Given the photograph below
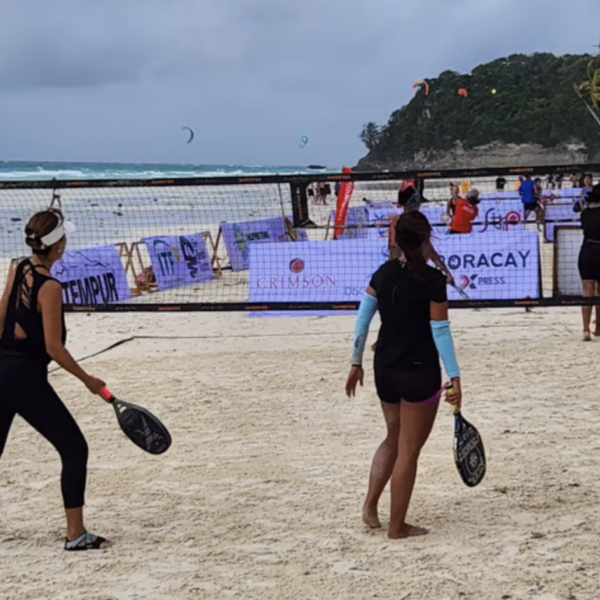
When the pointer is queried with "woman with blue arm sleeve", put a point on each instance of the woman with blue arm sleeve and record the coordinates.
(412, 302)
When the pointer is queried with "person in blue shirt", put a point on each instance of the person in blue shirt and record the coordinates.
(528, 193)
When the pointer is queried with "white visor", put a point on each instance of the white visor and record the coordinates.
(57, 234)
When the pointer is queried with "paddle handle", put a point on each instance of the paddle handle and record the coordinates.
(455, 410)
(106, 394)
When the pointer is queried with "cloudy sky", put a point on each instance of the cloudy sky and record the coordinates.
(112, 80)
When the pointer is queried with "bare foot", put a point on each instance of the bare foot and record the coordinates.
(407, 531)
(371, 518)
(586, 336)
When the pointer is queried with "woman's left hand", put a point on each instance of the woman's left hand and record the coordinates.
(355, 376)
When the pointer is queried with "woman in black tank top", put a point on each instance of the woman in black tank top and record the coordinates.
(32, 333)
(589, 257)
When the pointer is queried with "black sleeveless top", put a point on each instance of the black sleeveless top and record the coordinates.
(23, 311)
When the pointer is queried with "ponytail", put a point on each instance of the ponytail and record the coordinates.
(412, 233)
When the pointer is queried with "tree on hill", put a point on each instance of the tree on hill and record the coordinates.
(534, 103)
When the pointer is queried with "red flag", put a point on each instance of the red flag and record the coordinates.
(343, 201)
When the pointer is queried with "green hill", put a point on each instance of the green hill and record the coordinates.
(534, 105)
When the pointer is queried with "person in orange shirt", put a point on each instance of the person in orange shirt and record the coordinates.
(465, 212)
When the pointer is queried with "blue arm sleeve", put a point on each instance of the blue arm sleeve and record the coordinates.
(366, 312)
(442, 337)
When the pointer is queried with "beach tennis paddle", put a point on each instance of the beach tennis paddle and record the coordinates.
(469, 453)
(461, 292)
(140, 425)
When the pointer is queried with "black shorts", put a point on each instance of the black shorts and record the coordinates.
(413, 386)
(325, 190)
(530, 205)
(589, 261)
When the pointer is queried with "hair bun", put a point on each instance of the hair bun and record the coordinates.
(32, 240)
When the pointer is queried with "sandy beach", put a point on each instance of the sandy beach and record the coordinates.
(260, 495)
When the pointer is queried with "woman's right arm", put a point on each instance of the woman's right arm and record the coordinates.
(366, 312)
(50, 302)
(442, 336)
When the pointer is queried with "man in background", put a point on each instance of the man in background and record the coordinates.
(528, 193)
(500, 183)
(465, 212)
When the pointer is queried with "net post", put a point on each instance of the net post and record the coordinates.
(214, 259)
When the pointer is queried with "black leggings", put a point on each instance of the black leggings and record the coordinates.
(25, 391)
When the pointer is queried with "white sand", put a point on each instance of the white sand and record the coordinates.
(260, 495)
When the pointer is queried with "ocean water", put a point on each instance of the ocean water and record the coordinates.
(25, 171)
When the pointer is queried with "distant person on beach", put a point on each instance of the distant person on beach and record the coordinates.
(313, 192)
(528, 193)
(589, 258)
(451, 204)
(559, 181)
(32, 333)
(550, 185)
(586, 184)
(324, 192)
(466, 212)
(409, 197)
(574, 181)
(414, 334)
(500, 183)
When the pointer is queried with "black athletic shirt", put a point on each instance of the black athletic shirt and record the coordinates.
(405, 341)
(23, 310)
(590, 223)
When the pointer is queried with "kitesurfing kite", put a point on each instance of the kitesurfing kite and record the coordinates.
(191, 134)
(421, 83)
(303, 141)
(463, 92)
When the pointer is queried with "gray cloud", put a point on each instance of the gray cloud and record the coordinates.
(88, 80)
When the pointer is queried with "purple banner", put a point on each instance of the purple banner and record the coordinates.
(239, 236)
(92, 276)
(179, 260)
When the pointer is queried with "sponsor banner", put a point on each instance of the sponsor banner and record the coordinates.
(493, 216)
(314, 271)
(493, 266)
(566, 194)
(487, 266)
(239, 236)
(92, 276)
(567, 281)
(179, 260)
(357, 216)
(560, 214)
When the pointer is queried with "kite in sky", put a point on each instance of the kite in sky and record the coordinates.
(463, 92)
(191, 134)
(303, 141)
(421, 83)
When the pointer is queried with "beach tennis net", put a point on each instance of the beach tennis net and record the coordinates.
(303, 242)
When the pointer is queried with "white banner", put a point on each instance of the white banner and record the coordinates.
(567, 281)
(487, 266)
